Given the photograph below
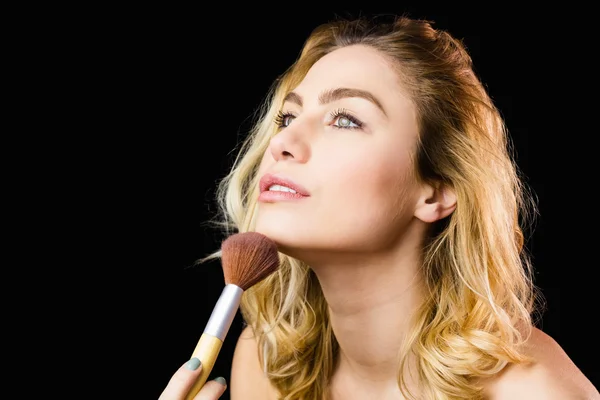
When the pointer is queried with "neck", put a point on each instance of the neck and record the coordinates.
(371, 301)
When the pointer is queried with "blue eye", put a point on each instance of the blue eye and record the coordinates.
(284, 119)
(342, 119)
(345, 120)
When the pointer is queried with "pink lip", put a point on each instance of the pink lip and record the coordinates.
(269, 180)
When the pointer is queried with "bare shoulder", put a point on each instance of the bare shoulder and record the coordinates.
(552, 375)
(248, 381)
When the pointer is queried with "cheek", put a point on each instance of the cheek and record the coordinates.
(375, 179)
(369, 205)
(265, 163)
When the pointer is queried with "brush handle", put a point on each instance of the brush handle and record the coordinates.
(206, 351)
(208, 347)
(224, 312)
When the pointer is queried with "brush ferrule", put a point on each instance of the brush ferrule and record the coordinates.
(224, 312)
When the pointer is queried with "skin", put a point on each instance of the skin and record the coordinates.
(183, 379)
(361, 228)
(347, 171)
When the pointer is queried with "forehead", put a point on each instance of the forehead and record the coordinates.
(358, 67)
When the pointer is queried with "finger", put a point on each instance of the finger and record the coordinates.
(182, 380)
(212, 390)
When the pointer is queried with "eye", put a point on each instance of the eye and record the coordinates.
(284, 119)
(341, 119)
(345, 120)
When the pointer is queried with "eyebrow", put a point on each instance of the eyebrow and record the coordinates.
(332, 95)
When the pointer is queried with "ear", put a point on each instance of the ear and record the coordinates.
(436, 202)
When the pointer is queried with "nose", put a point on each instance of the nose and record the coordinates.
(290, 144)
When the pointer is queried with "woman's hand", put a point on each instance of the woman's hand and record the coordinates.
(183, 379)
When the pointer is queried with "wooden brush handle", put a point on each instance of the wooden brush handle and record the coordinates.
(206, 351)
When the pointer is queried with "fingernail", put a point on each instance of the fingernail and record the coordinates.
(193, 364)
(221, 380)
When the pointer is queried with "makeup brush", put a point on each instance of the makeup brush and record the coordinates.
(247, 258)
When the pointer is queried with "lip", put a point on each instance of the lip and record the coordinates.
(269, 179)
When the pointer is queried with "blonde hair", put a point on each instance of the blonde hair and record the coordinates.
(482, 296)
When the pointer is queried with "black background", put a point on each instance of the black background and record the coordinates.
(165, 95)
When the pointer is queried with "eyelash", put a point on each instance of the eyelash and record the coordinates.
(340, 112)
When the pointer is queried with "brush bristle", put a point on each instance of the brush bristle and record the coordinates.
(248, 258)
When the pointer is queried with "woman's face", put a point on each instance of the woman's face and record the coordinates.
(346, 135)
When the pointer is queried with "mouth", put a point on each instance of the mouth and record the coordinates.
(277, 188)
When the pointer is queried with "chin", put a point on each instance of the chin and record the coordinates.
(281, 235)
(288, 241)
(305, 246)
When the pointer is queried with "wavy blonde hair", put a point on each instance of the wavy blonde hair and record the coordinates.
(482, 296)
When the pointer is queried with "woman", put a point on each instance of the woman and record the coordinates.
(382, 170)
